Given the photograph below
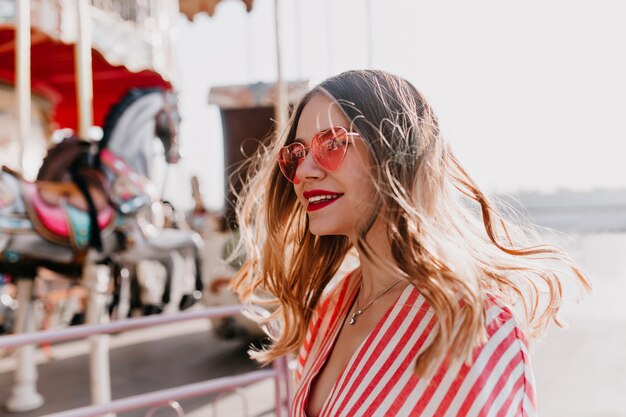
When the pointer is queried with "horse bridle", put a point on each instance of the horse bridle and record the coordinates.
(166, 128)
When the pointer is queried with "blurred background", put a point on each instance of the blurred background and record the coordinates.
(531, 95)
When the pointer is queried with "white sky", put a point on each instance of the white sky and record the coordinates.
(532, 95)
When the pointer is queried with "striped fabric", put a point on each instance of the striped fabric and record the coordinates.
(378, 380)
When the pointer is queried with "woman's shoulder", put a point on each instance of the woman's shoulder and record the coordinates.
(500, 374)
(501, 317)
(497, 379)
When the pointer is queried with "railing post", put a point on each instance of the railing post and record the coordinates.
(282, 386)
(97, 279)
(24, 395)
(288, 383)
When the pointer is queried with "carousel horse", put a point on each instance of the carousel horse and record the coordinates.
(148, 243)
(84, 211)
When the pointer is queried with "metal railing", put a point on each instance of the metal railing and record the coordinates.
(279, 370)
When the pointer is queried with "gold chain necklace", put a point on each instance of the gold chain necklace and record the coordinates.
(360, 311)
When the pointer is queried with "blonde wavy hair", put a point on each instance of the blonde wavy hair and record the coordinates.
(447, 238)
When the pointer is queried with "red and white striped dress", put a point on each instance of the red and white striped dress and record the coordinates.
(378, 380)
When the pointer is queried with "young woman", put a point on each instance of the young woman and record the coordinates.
(435, 319)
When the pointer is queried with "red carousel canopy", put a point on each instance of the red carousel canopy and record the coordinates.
(53, 77)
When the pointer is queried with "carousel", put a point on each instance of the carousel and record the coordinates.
(87, 88)
(88, 208)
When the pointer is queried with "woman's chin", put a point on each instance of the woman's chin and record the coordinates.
(324, 230)
(318, 231)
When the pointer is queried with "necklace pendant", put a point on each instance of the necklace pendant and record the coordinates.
(358, 312)
(354, 316)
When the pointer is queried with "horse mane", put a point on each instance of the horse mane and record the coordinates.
(118, 109)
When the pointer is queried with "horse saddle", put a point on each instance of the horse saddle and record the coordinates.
(60, 213)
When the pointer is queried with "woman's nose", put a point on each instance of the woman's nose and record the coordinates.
(309, 169)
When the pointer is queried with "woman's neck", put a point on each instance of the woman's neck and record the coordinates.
(376, 276)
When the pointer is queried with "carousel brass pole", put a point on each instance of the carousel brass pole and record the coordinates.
(82, 62)
(96, 277)
(281, 105)
(22, 75)
(281, 112)
(24, 395)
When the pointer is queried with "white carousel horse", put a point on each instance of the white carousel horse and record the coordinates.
(149, 244)
(75, 227)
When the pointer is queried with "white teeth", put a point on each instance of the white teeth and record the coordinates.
(321, 198)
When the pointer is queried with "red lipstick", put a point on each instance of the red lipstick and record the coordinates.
(317, 205)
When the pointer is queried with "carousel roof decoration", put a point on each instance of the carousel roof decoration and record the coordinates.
(131, 47)
(190, 8)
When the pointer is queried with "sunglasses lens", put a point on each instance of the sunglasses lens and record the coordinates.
(289, 158)
(329, 148)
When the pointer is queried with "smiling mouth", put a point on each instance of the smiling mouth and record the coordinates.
(320, 201)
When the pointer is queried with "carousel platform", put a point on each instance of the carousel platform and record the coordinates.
(147, 360)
